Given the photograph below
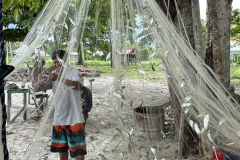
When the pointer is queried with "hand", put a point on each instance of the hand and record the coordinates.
(53, 77)
(84, 104)
(41, 79)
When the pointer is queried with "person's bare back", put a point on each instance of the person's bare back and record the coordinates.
(36, 71)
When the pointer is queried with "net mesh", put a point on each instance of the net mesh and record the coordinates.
(195, 85)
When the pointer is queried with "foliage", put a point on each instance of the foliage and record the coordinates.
(14, 35)
(172, 131)
(17, 6)
(48, 63)
(21, 14)
(235, 72)
(204, 28)
(96, 33)
(235, 22)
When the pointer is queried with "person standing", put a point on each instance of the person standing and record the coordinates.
(86, 98)
(68, 125)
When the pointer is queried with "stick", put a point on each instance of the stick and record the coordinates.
(181, 132)
(207, 147)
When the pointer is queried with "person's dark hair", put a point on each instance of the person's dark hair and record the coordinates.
(59, 52)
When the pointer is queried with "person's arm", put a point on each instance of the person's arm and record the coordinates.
(40, 81)
(89, 100)
(34, 75)
(75, 84)
(84, 104)
(69, 83)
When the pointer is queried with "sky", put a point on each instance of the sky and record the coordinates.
(202, 3)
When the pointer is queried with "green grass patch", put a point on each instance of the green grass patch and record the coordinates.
(98, 63)
(131, 71)
(235, 81)
(235, 74)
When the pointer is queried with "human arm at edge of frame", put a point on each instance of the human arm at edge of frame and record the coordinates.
(76, 84)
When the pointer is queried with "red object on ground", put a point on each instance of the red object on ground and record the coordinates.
(86, 69)
(237, 39)
(219, 156)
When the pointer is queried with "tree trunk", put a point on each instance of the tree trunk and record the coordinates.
(224, 24)
(10, 47)
(185, 9)
(217, 56)
(79, 59)
(55, 41)
(186, 12)
(207, 29)
(197, 29)
(82, 51)
(110, 41)
(125, 51)
(7, 52)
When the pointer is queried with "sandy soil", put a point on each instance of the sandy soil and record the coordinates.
(100, 128)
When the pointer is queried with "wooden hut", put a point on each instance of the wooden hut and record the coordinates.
(132, 53)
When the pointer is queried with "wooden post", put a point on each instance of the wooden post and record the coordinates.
(9, 107)
(197, 28)
(180, 138)
(25, 106)
(82, 51)
(207, 147)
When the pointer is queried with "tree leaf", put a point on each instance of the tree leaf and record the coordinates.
(16, 2)
(22, 2)
(6, 4)
(17, 13)
(28, 4)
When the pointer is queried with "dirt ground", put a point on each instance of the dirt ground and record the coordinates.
(101, 124)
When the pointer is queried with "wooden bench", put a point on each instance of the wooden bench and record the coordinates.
(84, 72)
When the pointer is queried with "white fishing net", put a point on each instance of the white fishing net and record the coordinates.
(194, 84)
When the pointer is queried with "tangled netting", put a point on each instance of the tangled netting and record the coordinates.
(207, 106)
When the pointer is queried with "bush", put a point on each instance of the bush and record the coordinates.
(48, 63)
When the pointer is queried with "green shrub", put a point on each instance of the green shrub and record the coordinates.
(48, 63)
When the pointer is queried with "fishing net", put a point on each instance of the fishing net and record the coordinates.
(138, 97)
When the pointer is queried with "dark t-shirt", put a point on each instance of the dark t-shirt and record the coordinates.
(86, 96)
